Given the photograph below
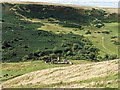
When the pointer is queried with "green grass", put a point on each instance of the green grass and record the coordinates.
(97, 38)
(94, 37)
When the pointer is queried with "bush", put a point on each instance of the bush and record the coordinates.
(110, 57)
(43, 53)
(113, 56)
(58, 51)
(25, 46)
(69, 53)
(5, 44)
(99, 25)
(93, 56)
(99, 58)
(26, 57)
(106, 31)
(63, 45)
(113, 37)
(116, 43)
(3, 20)
(67, 48)
(88, 32)
(75, 46)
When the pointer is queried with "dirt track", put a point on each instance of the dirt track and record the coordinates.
(65, 74)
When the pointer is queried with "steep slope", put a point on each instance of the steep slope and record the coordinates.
(101, 74)
(32, 31)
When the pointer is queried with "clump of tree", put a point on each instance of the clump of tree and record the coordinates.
(83, 49)
(112, 17)
(110, 57)
(98, 23)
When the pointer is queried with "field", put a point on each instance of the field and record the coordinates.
(100, 74)
(16, 69)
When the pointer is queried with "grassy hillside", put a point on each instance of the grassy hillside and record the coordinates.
(33, 33)
(91, 75)
(38, 31)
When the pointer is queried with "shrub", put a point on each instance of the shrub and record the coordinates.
(3, 20)
(112, 37)
(57, 51)
(63, 45)
(99, 58)
(93, 56)
(5, 44)
(88, 32)
(69, 53)
(116, 43)
(25, 46)
(99, 25)
(75, 46)
(67, 48)
(113, 56)
(106, 31)
(110, 57)
(26, 57)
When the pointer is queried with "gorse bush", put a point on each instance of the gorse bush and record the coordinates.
(21, 38)
(71, 49)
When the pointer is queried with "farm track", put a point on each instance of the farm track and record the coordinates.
(104, 46)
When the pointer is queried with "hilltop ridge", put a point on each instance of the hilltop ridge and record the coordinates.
(111, 10)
